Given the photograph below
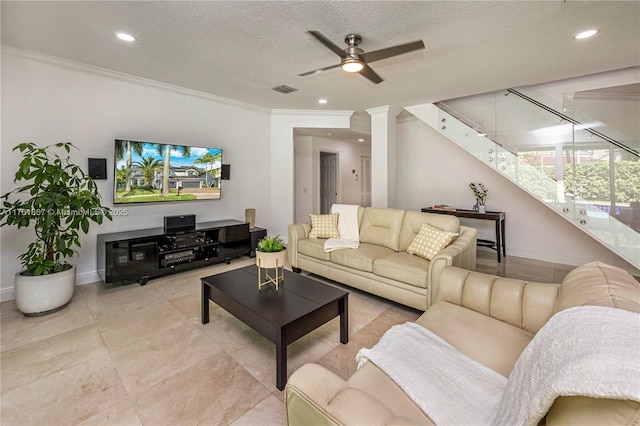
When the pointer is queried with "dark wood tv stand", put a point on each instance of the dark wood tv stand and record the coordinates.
(138, 256)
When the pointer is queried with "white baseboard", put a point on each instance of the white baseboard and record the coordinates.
(7, 294)
(88, 278)
(81, 279)
(546, 257)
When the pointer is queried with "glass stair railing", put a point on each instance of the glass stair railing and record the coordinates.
(585, 171)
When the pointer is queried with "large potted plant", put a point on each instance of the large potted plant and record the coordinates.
(58, 200)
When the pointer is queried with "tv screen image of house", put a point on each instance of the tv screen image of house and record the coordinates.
(147, 172)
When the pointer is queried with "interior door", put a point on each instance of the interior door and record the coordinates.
(328, 181)
(365, 181)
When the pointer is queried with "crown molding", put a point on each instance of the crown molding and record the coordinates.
(312, 112)
(117, 75)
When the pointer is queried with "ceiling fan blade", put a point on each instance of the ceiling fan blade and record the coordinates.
(318, 70)
(371, 74)
(393, 51)
(335, 49)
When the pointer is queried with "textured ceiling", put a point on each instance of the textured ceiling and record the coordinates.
(240, 50)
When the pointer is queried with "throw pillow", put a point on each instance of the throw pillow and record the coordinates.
(324, 226)
(430, 241)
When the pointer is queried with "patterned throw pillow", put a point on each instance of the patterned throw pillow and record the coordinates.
(324, 226)
(430, 241)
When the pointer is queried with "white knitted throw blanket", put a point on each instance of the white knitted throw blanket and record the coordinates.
(449, 387)
(347, 228)
(591, 351)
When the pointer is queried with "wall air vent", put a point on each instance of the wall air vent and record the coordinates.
(284, 89)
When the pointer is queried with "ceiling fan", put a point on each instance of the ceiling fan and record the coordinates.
(355, 59)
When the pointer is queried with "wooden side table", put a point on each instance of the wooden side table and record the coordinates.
(499, 244)
(256, 235)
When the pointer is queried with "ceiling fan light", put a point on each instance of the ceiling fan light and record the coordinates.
(352, 65)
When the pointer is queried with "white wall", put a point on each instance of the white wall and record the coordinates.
(307, 177)
(434, 170)
(283, 123)
(46, 100)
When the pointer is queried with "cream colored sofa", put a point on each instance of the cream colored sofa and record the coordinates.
(487, 318)
(381, 264)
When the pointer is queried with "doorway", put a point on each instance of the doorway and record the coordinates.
(328, 181)
(365, 181)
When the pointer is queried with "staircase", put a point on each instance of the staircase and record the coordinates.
(586, 171)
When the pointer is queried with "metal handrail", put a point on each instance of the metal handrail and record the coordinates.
(575, 122)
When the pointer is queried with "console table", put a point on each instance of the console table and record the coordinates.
(498, 217)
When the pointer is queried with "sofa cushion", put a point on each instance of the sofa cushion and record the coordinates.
(403, 267)
(313, 248)
(599, 284)
(324, 226)
(413, 221)
(493, 343)
(430, 241)
(381, 227)
(361, 258)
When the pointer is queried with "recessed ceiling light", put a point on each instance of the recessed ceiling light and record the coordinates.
(360, 140)
(125, 37)
(329, 134)
(585, 34)
(322, 101)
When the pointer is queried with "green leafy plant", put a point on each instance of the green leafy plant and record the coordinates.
(270, 244)
(58, 199)
(480, 192)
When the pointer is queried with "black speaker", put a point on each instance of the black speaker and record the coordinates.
(173, 224)
(98, 168)
(225, 173)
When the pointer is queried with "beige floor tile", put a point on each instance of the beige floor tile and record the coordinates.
(18, 330)
(217, 390)
(190, 306)
(157, 345)
(228, 332)
(268, 412)
(341, 359)
(121, 414)
(259, 358)
(66, 397)
(31, 362)
(529, 271)
(161, 355)
(104, 303)
(560, 272)
(125, 328)
(179, 285)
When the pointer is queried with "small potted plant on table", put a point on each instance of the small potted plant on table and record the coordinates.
(59, 200)
(271, 254)
(480, 191)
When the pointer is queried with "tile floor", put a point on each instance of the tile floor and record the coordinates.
(139, 355)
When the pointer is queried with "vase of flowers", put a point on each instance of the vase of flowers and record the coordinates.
(480, 192)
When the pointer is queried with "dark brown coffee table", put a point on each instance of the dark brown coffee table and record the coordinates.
(299, 306)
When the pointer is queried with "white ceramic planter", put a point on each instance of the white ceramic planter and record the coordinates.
(268, 260)
(44, 294)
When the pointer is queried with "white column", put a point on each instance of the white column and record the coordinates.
(383, 156)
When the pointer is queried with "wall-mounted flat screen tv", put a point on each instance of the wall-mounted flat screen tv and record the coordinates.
(147, 172)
